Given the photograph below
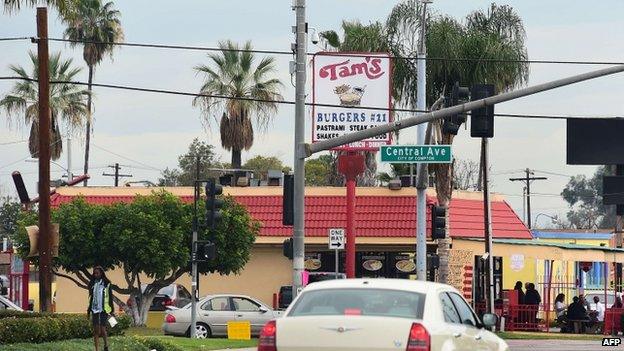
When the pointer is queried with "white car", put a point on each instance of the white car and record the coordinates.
(379, 314)
(213, 314)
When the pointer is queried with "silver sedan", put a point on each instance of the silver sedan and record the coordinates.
(215, 311)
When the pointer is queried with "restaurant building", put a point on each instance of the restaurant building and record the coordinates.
(385, 224)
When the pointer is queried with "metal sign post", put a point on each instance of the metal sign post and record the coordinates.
(336, 243)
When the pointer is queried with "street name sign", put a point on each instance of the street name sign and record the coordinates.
(336, 239)
(416, 153)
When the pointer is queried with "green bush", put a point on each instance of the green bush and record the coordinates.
(18, 329)
(116, 343)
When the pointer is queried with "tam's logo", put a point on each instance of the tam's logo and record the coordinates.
(611, 342)
(371, 67)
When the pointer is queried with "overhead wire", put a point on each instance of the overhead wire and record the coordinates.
(287, 102)
(127, 158)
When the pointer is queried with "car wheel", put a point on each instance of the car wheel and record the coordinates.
(202, 331)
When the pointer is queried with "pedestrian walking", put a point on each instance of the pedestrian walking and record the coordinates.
(100, 305)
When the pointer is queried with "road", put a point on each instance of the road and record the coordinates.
(540, 345)
(568, 345)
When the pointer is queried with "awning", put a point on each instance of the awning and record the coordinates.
(536, 249)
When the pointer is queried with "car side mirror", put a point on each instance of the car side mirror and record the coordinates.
(489, 320)
(4, 290)
(264, 309)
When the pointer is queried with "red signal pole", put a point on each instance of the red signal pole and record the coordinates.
(351, 165)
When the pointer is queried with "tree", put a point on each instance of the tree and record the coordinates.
(491, 36)
(9, 215)
(187, 163)
(149, 239)
(318, 171)
(261, 164)
(67, 101)
(584, 196)
(95, 26)
(252, 91)
(465, 174)
(62, 6)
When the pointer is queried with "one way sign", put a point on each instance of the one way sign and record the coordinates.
(336, 239)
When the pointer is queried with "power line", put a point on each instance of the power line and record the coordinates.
(14, 142)
(284, 52)
(127, 158)
(554, 173)
(290, 53)
(288, 102)
(14, 38)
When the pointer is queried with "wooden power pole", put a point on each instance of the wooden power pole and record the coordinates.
(45, 257)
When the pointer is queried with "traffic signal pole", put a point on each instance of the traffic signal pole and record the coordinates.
(487, 217)
(300, 155)
(194, 280)
(421, 187)
(45, 257)
(328, 144)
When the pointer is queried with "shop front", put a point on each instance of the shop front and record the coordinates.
(369, 264)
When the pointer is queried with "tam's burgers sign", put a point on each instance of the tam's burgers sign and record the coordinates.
(351, 92)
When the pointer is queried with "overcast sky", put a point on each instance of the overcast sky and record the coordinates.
(145, 132)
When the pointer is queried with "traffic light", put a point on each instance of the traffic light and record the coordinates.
(438, 222)
(482, 120)
(287, 248)
(459, 95)
(213, 204)
(288, 216)
(205, 251)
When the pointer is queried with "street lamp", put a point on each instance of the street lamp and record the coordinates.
(554, 219)
(70, 176)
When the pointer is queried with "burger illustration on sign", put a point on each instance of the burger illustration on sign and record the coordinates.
(349, 96)
(372, 265)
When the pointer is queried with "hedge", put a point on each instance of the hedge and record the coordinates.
(116, 343)
(51, 327)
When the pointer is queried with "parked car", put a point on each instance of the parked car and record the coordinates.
(285, 295)
(380, 314)
(174, 295)
(6, 304)
(215, 311)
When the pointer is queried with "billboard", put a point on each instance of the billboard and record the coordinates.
(595, 141)
(351, 92)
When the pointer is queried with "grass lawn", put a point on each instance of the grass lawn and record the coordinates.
(119, 343)
(547, 336)
(192, 344)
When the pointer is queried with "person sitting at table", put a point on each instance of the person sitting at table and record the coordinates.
(560, 306)
(618, 302)
(576, 313)
(596, 316)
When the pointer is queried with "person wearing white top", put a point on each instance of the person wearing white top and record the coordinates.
(600, 309)
(560, 306)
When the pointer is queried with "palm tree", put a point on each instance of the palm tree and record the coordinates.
(232, 73)
(97, 27)
(62, 6)
(67, 101)
(497, 34)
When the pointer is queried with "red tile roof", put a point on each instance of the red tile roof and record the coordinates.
(376, 216)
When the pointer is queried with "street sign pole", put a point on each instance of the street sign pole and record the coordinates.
(336, 241)
(336, 252)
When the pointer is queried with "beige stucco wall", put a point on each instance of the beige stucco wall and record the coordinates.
(263, 275)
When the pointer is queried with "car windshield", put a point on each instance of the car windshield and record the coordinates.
(360, 301)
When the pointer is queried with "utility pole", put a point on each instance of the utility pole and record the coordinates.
(527, 183)
(70, 174)
(194, 280)
(299, 162)
(116, 167)
(421, 186)
(45, 257)
(487, 216)
(619, 213)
